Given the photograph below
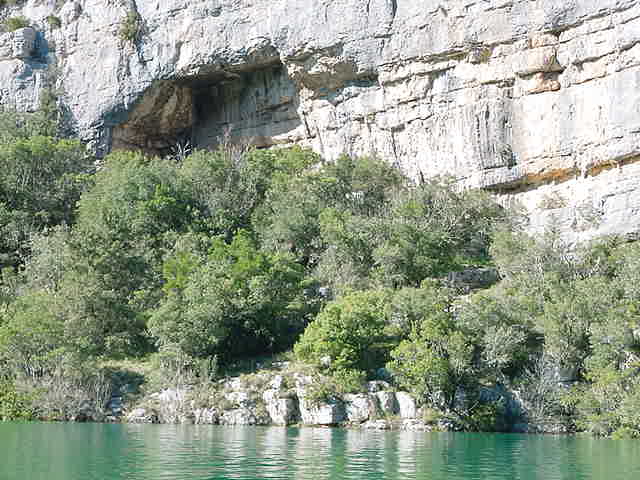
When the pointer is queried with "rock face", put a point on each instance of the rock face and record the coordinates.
(361, 407)
(142, 415)
(290, 397)
(23, 72)
(406, 405)
(281, 404)
(273, 398)
(537, 100)
(473, 278)
(19, 44)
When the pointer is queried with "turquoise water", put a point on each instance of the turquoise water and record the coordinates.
(98, 451)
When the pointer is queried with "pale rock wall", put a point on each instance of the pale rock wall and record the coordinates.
(273, 406)
(19, 44)
(21, 72)
(259, 107)
(537, 100)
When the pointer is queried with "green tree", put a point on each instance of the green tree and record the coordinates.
(229, 184)
(436, 360)
(347, 261)
(607, 403)
(42, 180)
(417, 232)
(349, 334)
(432, 229)
(14, 405)
(30, 331)
(299, 203)
(235, 302)
(126, 225)
(51, 256)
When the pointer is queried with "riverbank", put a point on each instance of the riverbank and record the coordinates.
(193, 264)
(285, 393)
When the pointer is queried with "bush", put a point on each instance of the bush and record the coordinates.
(237, 301)
(437, 359)
(340, 382)
(414, 232)
(72, 387)
(30, 332)
(488, 417)
(127, 223)
(349, 334)
(131, 27)
(17, 125)
(229, 184)
(172, 368)
(12, 24)
(290, 220)
(431, 416)
(431, 230)
(42, 180)
(54, 22)
(14, 405)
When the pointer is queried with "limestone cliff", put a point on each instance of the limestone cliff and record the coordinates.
(537, 100)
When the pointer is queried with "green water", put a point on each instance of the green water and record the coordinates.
(97, 451)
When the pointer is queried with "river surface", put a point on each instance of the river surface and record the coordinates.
(34, 451)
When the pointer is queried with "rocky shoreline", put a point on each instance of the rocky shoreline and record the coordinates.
(291, 399)
(276, 402)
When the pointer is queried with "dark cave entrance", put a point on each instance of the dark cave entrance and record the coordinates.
(248, 106)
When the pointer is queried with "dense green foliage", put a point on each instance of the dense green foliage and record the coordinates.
(42, 179)
(53, 21)
(235, 301)
(436, 358)
(203, 260)
(13, 404)
(14, 23)
(349, 334)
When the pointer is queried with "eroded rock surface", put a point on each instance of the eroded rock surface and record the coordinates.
(537, 100)
(19, 44)
(360, 407)
(274, 398)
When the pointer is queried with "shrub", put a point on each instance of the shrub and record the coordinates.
(348, 334)
(412, 233)
(14, 405)
(348, 381)
(12, 24)
(432, 229)
(9, 3)
(488, 417)
(324, 388)
(290, 217)
(228, 185)
(41, 180)
(431, 416)
(172, 368)
(238, 301)
(131, 27)
(72, 387)
(54, 22)
(437, 359)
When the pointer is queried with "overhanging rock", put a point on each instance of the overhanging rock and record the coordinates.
(538, 100)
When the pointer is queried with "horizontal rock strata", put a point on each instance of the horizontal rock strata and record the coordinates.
(537, 100)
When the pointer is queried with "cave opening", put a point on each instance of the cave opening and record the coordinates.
(248, 106)
(256, 107)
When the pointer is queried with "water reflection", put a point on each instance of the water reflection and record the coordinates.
(70, 452)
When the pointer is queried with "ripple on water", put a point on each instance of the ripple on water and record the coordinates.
(172, 452)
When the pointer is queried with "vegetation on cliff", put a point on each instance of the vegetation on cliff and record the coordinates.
(213, 257)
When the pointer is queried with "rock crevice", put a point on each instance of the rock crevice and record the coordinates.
(501, 95)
